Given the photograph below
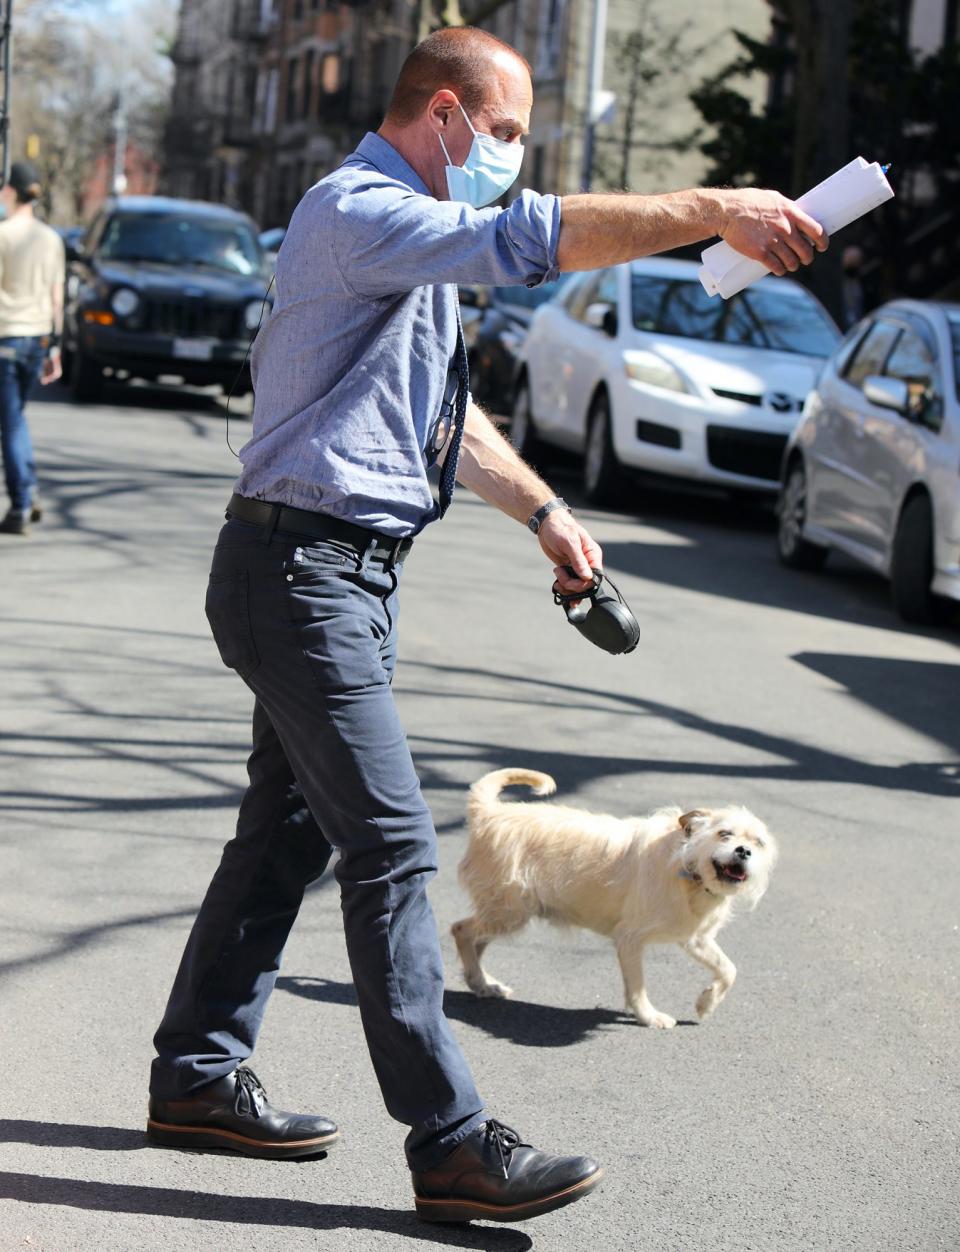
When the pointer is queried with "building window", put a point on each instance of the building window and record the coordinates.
(550, 40)
(290, 106)
(309, 60)
(298, 10)
(270, 102)
(330, 74)
(536, 172)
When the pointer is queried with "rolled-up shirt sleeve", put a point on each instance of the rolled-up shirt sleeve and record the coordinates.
(389, 240)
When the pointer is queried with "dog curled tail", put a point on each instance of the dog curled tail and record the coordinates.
(486, 790)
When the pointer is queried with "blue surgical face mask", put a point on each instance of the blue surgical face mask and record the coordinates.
(490, 169)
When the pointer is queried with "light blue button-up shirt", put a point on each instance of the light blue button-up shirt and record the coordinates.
(351, 369)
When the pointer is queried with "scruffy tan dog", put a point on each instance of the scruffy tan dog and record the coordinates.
(672, 877)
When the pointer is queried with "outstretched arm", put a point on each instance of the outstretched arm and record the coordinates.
(599, 230)
(490, 466)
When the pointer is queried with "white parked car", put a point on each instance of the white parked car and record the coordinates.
(873, 467)
(636, 367)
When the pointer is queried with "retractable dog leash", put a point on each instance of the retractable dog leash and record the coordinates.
(606, 621)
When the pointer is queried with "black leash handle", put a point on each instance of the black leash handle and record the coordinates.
(577, 604)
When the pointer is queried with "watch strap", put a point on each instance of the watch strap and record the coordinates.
(536, 520)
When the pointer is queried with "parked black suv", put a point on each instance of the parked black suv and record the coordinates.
(163, 287)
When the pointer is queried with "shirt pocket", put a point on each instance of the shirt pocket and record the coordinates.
(228, 612)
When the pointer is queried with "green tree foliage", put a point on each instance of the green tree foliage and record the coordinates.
(893, 104)
(746, 147)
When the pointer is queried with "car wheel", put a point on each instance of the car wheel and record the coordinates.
(522, 432)
(602, 473)
(911, 567)
(86, 378)
(794, 550)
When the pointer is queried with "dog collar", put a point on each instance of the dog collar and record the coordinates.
(695, 878)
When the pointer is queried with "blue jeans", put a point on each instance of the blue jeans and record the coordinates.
(21, 360)
(310, 626)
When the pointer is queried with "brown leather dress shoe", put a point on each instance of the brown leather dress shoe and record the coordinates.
(492, 1175)
(233, 1113)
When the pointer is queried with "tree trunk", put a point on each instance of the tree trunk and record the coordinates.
(821, 130)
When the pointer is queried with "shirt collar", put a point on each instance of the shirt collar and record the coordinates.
(374, 150)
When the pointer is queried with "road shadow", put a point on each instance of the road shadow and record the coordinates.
(174, 397)
(248, 1211)
(729, 550)
(71, 942)
(746, 569)
(786, 758)
(923, 695)
(71, 1135)
(518, 1021)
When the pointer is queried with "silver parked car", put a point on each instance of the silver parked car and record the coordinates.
(873, 468)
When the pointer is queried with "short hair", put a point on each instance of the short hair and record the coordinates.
(457, 58)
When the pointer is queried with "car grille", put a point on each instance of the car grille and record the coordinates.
(744, 397)
(191, 319)
(755, 454)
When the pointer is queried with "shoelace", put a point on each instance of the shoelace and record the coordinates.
(250, 1094)
(506, 1140)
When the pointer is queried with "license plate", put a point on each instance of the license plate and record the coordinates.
(193, 349)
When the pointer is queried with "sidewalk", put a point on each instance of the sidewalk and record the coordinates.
(816, 1110)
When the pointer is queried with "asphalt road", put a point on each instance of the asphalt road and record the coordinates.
(817, 1110)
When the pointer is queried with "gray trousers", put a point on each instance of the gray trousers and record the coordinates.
(310, 626)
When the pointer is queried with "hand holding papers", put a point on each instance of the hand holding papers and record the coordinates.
(836, 202)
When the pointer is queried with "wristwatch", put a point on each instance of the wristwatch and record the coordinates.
(536, 520)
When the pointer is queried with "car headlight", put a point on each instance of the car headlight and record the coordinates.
(647, 367)
(125, 302)
(254, 311)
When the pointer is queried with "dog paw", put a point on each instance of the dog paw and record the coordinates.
(707, 1002)
(658, 1021)
(492, 990)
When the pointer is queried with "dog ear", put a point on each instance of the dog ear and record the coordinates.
(686, 820)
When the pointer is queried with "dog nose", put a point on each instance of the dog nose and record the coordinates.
(743, 853)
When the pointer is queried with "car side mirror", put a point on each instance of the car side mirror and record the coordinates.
(602, 316)
(888, 393)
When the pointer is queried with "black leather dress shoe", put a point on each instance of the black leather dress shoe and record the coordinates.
(234, 1113)
(492, 1175)
(16, 522)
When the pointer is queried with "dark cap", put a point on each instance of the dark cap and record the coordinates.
(24, 178)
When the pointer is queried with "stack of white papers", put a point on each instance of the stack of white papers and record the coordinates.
(836, 202)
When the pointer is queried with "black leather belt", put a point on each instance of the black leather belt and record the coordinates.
(309, 525)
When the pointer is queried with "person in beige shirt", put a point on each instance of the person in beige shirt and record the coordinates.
(31, 318)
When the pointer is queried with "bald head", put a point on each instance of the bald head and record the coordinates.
(461, 59)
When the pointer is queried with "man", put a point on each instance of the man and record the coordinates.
(31, 318)
(356, 393)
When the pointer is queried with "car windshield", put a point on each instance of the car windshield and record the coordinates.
(954, 321)
(761, 317)
(529, 297)
(178, 239)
